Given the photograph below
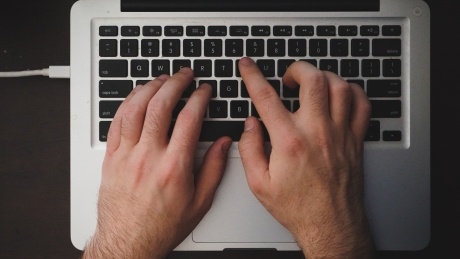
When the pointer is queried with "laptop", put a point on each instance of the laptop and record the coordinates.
(383, 45)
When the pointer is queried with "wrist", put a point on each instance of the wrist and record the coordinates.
(352, 241)
(119, 246)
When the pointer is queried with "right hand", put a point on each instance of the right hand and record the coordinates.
(312, 182)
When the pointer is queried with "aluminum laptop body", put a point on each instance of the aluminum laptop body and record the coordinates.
(397, 155)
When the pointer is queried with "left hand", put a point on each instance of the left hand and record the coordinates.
(150, 199)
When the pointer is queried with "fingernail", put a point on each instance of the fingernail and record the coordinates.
(163, 77)
(226, 146)
(248, 124)
(246, 61)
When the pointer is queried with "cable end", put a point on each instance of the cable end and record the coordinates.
(59, 72)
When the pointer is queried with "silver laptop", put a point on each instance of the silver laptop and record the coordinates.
(381, 45)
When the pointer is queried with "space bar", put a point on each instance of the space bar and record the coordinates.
(212, 130)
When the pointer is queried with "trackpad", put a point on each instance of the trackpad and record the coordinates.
(237, 216)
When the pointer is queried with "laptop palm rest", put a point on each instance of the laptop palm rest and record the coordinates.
(236, 215)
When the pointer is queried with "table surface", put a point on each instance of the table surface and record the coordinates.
(35, 137)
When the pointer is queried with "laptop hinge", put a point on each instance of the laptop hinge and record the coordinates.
(250, 6)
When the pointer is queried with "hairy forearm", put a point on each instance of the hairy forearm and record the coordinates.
(103, 247)
(355, 243)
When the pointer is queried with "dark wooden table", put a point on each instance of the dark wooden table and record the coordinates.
(35, 137)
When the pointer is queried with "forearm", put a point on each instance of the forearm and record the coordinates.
(355, 243)
(111, 247)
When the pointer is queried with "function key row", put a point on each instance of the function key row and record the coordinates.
(263, 30)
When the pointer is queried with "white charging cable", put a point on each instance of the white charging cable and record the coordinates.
(51, 72)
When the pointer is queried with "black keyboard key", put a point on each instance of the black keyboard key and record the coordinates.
(331, 65)
(386, 47)
(104, 127)
(392, 135)
(174, 31)
(129, 48)
(304, 30)
(189, 90)
(108, 48)
(283, 65)
(391, 30)
(291, 92)
(287, 104)
(349, 68)
(384, 88)
(223, 68)
(107, 109)
(276, 47)
(171, 47)
(239, 109)
(295, 105)
(267, 66)
(348, 30)
(115, 88)
(297, 47)
(195, 31)
(108, 31)
(373, 131)
(150, 48)
(237, 69)
(217, 30)
(192, 48)
(213, 48)
(130, 31)
(151, 31)
(255, 48)
(339, 47)
(160, 67)
(369, 30)
(234, 47)
(178, 64)
(391, 67)
(243, 90)
(326, 30)
(141, 82)
(202, 67)
(228, 88)
(370, 67)
(386, 108)
(359, 82)
(139, 68)
(239, 30)
(318, 47)
(282, 30)
(113, 68)
(360, 47)
(260, 30)
(218, 109)
(213, 84)
(212, 130)
(276, 85)
(178, 108)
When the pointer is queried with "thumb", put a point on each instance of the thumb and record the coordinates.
(211, 172)
(252, 152)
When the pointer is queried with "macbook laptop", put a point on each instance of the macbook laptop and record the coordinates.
(383, 45)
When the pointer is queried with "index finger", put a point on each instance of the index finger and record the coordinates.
(263, 95)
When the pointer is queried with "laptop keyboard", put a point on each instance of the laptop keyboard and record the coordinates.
(367, 54)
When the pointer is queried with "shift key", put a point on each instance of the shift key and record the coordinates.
(386, 108)
(113, 68)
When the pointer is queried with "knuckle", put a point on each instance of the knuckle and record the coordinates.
(266, 94)
(152, 123)
(294, 146)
